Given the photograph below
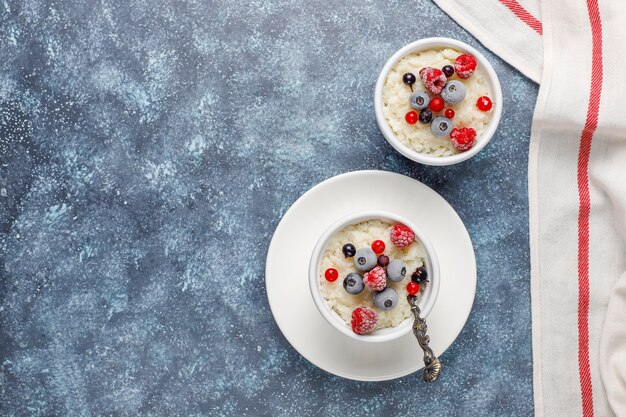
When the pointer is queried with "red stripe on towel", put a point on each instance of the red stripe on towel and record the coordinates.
(584, 207)
(524, 15)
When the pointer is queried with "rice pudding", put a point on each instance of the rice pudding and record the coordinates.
(437, 101)
(368, 269)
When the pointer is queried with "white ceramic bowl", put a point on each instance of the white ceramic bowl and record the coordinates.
(429, 295)
(494, 86)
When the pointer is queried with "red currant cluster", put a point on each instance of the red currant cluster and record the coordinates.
(437, 82)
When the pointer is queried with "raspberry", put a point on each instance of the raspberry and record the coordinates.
(463, 138)
(402, 236)
(433, 79)
(465, 66)
(376, 279)
(363, 320)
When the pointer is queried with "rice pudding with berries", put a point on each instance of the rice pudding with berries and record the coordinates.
(367, 270)
(437, 101)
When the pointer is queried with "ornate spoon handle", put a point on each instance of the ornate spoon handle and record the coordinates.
(432, 364)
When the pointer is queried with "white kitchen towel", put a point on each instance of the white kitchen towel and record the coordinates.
(612, 354)
(511, 29)
(577, 193)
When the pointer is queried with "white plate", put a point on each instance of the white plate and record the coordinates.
(286, 273)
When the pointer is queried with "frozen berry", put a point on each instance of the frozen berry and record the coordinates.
(448, 70)
(378, 246)
(365, 259)
(412, 288)
(353, 283)
(386, 299)
(465, 66)
(433, 79)
(331, 274)
(376, 279)
(441, 126)
(419, 99)
(463, 138)
(396, 270)
(449, 113)
(408, 79)
(436, 104)
(383, 260)
(420, 275)
(484, 103)
(426, 116)
(363, 320)
(411, 117)
(402, 236)
(348, 250)
(453, 92)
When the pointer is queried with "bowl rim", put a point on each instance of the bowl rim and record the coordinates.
(432, 266)
(494, 84)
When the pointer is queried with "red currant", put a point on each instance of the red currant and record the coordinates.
(412, 288)
(411, 117)
(449, 113)
(378, 246)
(484, 103)
(437, 104)
(331, 274)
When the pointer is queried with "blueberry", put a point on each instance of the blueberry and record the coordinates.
(426, 116)
(419, 99)
(396, 270)
(383, 260)
(386, 299)
(420, 275)
(448, 70)
(408, 78)
(348, 250)
(365, 259)
(453, 92)
(441, 126)
(353, 283)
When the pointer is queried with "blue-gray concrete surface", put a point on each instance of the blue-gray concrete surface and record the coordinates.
(148, 149)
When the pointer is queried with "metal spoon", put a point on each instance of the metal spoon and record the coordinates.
(433, 366)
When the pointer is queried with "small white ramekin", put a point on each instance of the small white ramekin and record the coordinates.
(429, 295)
(494, 86)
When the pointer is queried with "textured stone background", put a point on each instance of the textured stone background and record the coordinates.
(148, 150)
